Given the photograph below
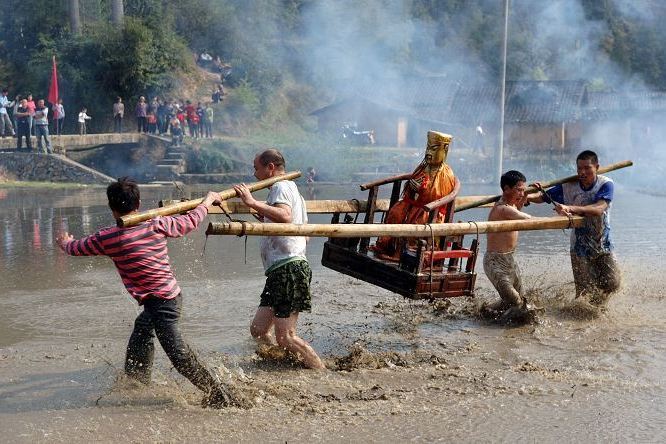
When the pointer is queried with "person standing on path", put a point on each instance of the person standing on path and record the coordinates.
(83, 118)
(23, 117)
(59, 116)
(5, 121)
(31, 106)
(42, 128)
(141, 114)
(118, 114)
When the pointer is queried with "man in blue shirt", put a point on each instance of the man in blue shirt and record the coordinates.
(595, 269)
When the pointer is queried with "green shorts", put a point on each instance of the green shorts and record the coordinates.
(287, 289)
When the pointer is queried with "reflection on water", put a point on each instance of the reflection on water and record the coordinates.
(30, 218)
(54, 306)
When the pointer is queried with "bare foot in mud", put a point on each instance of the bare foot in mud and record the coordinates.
(271, 353)
(492, 311)
(520, 316)
(510, 315)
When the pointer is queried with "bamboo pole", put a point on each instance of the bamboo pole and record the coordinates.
(551, 183)
(393, 230)
(319, 206)
(135, 218)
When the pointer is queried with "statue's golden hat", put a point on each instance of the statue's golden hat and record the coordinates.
(437, 138)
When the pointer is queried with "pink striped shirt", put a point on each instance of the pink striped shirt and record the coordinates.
(140, 252)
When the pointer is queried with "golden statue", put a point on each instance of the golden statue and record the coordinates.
(431, 180)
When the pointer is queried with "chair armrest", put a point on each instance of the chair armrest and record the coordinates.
(451, 197)
(376, 183)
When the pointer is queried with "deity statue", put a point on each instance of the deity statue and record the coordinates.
(431, 180)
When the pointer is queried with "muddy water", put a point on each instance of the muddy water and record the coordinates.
(401, 370)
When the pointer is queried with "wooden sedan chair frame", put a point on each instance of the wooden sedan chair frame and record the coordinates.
(421, 272)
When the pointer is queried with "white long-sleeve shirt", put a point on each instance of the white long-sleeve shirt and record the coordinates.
(83, 117)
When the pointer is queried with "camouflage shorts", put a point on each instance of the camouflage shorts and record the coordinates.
(287, 289)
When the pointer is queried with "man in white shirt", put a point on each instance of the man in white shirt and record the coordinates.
(288, 273)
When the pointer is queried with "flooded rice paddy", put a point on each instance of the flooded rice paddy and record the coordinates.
(399, 370)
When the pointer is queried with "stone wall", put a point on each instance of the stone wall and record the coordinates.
(70, 141)
(49, 168)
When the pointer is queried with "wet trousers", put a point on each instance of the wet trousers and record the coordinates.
(161, 318)
(596, 277)
(503, 272)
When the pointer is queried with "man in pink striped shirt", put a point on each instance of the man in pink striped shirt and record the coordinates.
(141, 257)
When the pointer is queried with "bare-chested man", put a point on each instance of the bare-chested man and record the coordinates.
(499, 263)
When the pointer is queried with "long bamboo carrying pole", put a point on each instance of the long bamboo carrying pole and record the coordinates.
(323, 206)
(136, 218)
(602, 170)
(394, 230)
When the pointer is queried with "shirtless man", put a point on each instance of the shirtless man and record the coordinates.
(498, 262)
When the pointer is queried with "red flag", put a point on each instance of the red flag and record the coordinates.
(53, 87)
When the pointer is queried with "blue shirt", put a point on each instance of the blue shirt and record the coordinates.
(593, 238)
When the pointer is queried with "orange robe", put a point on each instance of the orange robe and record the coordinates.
(410, 210)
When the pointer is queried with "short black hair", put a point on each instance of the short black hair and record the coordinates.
(272, 156)
(588, 155)
(123, 195)
(511, 178)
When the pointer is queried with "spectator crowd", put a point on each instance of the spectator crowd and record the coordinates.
(23, 117)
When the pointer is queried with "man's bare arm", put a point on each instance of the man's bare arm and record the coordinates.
(595, 209)
(278, 212)
(512, 213)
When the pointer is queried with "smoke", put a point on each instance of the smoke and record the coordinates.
(382, 49)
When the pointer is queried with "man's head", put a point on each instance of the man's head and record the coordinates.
(268, 164)
(513, 186)
(587, 165)
(24, 102)
(124, 196)
(40, 103)
(119, 99)
(437, 148)
(5, 91)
